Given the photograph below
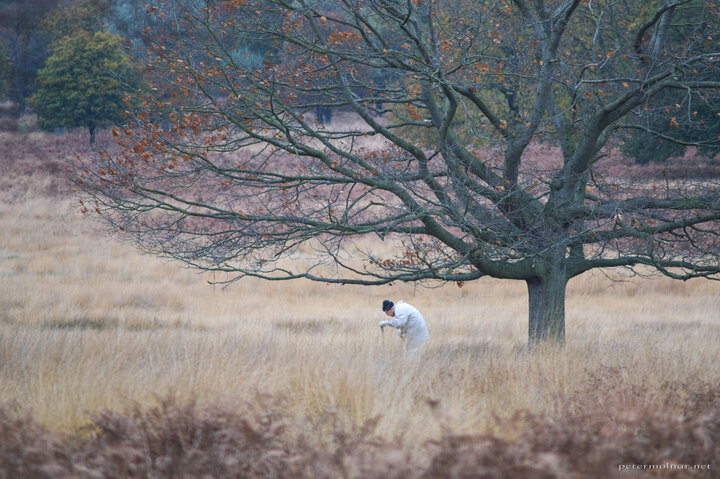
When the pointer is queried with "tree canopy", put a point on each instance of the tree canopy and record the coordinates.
(83, 83)
(442, 103)
(29, 30)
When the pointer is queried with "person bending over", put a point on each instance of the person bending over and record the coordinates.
(409, 322)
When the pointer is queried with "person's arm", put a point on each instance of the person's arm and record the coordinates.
(400, 319)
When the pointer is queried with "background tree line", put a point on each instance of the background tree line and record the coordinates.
(68, 60)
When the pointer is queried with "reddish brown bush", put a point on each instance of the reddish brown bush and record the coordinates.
(28, 450)
(187, 441)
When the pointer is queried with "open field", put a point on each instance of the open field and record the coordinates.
(88, 325)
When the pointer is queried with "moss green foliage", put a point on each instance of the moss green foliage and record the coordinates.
(83, 83)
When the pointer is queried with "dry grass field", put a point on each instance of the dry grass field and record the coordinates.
(107, 353)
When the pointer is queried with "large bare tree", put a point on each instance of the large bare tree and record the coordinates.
(233, 165)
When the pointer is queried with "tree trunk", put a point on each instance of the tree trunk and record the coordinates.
(546, 295)
(91, 129)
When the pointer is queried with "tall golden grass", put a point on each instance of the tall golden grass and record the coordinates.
(87, 324)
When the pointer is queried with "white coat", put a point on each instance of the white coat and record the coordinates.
(411, 325)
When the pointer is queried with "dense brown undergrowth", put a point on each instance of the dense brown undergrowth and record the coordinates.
(611, 435)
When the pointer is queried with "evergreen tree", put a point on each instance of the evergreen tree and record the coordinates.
(83, 82)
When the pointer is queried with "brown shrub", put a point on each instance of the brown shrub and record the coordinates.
(593, 444)
(175, 440)
(27, 450)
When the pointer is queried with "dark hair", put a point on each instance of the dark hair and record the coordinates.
(387, 304)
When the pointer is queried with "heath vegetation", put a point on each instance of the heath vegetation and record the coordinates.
(117, 364)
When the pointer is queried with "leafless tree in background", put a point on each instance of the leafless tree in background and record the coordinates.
(231, 167)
